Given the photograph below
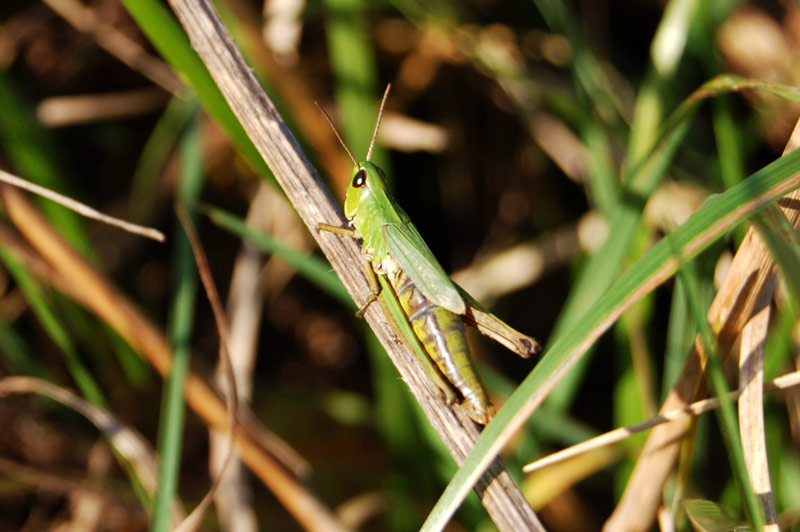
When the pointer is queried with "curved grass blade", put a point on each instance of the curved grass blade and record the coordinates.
(717, 215)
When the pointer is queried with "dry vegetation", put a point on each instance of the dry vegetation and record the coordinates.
(542, 150)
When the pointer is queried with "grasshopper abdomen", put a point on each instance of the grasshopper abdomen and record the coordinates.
(443, 337)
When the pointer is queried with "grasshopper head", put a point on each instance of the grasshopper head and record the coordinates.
(368, 179)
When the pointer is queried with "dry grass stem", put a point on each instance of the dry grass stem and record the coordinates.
(80, 208)
(243, 311)
(784, 382)
(61, 111)
(84, 18)
(751, 407)
(192, 521)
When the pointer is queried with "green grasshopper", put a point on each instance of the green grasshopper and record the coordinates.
(396, 257)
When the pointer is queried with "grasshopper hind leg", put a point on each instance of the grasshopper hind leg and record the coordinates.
(471, 400)
(477, 407)
(443, 387)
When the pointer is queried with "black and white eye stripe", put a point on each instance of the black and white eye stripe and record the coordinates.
(360, 178)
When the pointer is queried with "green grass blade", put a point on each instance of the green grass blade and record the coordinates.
(179, 330)
(155, 154)
(729, 143)
(680, 334)
(54, 328)
(171, 42)
(717, 215)
(309, 266)
(602, 178)
(781, 237)
(730, 146)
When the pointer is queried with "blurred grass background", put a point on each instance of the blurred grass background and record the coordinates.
(509, 132)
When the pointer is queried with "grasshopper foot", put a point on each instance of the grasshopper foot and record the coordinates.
(478, 408)
(370, 300)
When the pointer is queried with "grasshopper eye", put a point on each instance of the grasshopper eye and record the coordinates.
(360, 178)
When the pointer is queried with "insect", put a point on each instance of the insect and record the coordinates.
(396, 257)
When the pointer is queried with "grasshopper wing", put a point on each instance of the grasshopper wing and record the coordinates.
(412, 255)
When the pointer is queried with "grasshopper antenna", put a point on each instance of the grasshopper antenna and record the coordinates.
(336, 132)
(378, 123)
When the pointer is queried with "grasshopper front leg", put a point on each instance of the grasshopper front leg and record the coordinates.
(336, 229)
(374, 285)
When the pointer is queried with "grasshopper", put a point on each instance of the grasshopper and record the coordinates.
(396, 257)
